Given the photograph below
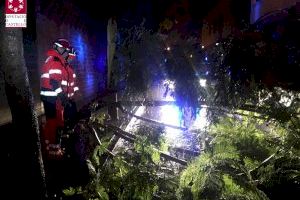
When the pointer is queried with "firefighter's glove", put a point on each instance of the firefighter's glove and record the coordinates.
(64, 99)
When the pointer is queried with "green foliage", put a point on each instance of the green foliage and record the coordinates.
(225, 170)
(230, 187)
(233, 191)
(134, 172)
(69, 192)
(149, 143)
(282, 174)
(201, 177)
(98, 151)
(250, 141)
(98, 117)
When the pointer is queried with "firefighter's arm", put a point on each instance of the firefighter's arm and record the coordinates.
(57, 82)
(75, 87)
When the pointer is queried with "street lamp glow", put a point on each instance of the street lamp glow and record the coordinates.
(170, 84)
(168, 48)
(202, 82)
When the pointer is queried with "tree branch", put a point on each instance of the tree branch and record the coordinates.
(100, 143)
(131, 138)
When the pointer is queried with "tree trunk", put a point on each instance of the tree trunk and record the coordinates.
(111, 47)
(24, 174)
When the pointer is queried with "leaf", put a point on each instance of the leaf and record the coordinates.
(155, 157)
(102, 193)
(92, 169)
(69, 192)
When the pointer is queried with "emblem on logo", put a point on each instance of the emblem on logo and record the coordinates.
(15, 5)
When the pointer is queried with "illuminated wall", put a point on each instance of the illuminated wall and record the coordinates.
(260, 8)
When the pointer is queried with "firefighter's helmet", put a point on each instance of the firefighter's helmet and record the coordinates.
(65, 45)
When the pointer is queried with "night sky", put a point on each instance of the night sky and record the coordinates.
(154, 11)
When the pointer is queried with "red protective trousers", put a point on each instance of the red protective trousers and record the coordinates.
(53, 124)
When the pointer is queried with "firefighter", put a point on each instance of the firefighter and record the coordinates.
(58, 87)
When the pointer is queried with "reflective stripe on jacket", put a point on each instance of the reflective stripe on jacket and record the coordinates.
(57, 76)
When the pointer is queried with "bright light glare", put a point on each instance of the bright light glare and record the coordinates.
(134, 121)
(202, 82)
(131, 127)
(201, 120)
(170, 114)
(168, 48)
(170, 84)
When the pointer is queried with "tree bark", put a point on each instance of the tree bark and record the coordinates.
(24, 174)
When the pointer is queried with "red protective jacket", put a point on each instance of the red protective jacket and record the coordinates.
(57, 76)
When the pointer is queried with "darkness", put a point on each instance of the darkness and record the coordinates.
(200, 9)
(134, 12)
(153, 10)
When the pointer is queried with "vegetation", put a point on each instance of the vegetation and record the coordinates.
(132, 171)
(251, 149)
(239, 162)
